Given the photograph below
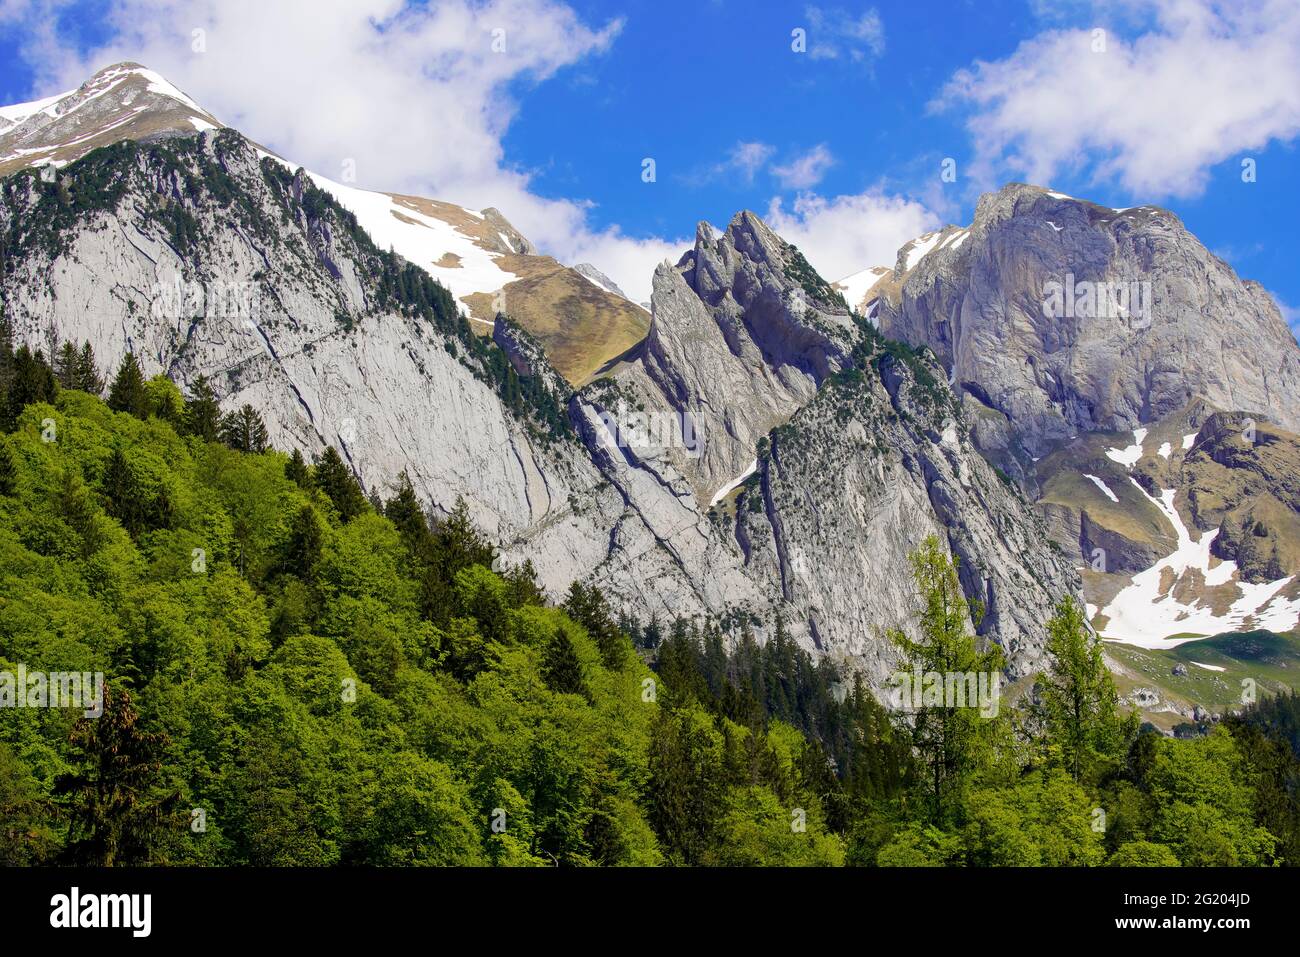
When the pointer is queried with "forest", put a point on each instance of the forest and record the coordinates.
(297, 672)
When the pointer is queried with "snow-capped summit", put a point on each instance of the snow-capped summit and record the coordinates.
(123, 101)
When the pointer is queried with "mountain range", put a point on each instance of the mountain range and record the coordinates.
(1077, 400)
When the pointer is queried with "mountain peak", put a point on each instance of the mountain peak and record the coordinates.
(122, 101)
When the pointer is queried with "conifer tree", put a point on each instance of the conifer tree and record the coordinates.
(948, 736)
(67, 366)
(336, 480)
(123, 493)
(203, 412)
(244, 430)
(6, 353)
(118, 812)
(31, 380)
(8, 470)
(1078, 702)
(461, 543)
(127, 393)
(303, 549)
(561, 668)
(404, 511)
(296, 471)
(586, 605)
(88, 377)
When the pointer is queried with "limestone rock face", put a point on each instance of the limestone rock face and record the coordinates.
(817, 455)
(824, 456)
(742, 333)
(1064, 317)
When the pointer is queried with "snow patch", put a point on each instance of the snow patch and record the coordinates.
(918, 249)
(1103, 486)
(856, 286)
(1164, 450)
(1145, 616)
(1128, 457)
(734, 484)
(420, 238)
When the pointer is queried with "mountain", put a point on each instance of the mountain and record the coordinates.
(123, 101)
(758, 453)
(478, 255)
(1152, 325)
(1101, 356)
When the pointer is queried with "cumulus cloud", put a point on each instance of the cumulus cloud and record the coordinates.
(417, 97)
(807, 170)
(845, 234)
(835, 34)
(1206, 81)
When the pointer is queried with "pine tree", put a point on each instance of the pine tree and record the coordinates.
(244, 430)
(561, 668)
(296, 471)
(122, 491)
(586, 605)
(462, 545)
(127, 393)
(67, 366)
(404, 511)
(32, 380)
(687, 786)
(118, 813)
(88, 377)
(303, 549)
(203, 412)
(336, 480)
(6, 354)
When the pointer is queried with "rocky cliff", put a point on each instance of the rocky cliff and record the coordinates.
(1056, 316)
(205, 257)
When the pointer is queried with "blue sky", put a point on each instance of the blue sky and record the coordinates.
(841, 144)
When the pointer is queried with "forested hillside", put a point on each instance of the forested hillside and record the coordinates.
(299, 674)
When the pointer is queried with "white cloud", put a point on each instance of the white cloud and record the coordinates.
(1208, 81)
(1290, 314)
(416, 96)
(846, 234)
(836, 34)
(745, 160)
(807, 170)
